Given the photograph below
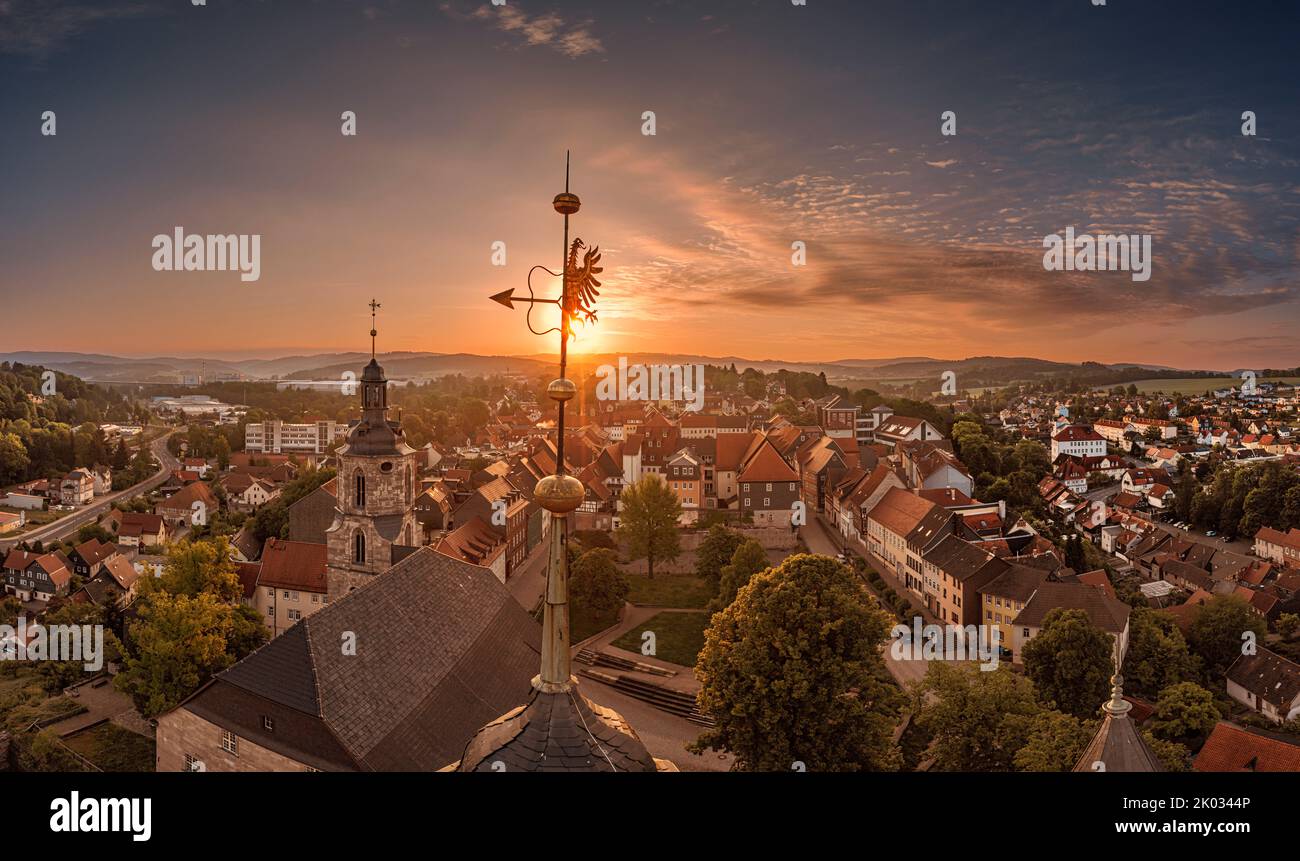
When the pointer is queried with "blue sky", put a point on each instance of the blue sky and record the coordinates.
(775, 124)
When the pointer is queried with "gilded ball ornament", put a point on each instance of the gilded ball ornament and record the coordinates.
(561, 390)
(566, 203)
(559, 494)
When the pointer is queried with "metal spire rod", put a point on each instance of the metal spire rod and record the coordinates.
(374, 333)
(564, 322)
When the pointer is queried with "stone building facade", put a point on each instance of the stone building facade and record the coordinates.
(378, 481)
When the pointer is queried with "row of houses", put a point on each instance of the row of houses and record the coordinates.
(105, 573)
(77, 487)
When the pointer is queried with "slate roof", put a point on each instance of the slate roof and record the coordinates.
(558, 732)
(1105, 612)
(1118, 745)
(1018, 583)
(441, 649)
(962, 560)
(1269, 676)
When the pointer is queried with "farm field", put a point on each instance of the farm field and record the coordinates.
(1197, 385)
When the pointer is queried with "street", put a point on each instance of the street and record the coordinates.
(68, 525)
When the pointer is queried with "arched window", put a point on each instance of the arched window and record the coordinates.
(359, 548)
(360, 495)
(409, 487)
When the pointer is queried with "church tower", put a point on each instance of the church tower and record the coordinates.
(378, 480)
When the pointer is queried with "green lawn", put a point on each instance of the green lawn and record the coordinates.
(583, 625)
(678, 637)
(685, 591)
(113, 748)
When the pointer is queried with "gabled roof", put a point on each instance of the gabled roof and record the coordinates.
(732, 448)
(122, 572)
(1018, 583)
(1236, 748)
(1078, 433)
(767, 465)
(867, 488)
(1107, 613)
(294, 565)
(94, 551)
(900, 510)
(963, 560)
(442, 648)
(473, 541)
(188, 495)
(1269, 676)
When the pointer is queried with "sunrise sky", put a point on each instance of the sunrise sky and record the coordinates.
(776, 123)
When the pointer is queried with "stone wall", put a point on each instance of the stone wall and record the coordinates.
(182, 732)
(771, 537)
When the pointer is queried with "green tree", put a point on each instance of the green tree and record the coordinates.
(179, 642)
(1157, 654)
(197, 567)
(648, 523)
(94, 531)
(715, 551)
(1172, 755)
(272, 519)
(749, 559)
(791, 672)
(13, 459)
(1220, 628)
(1055, 742)
(978, 719)
(1287, 625)
(1070, 662)
(596, 585)
(1185, 713)
(57, 675)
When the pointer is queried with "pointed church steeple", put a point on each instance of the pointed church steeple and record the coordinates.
(1118, 745)
(378, 480)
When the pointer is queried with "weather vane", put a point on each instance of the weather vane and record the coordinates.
(577, 299)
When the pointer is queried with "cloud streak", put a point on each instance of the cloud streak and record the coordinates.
(37, 28)
(544, 30)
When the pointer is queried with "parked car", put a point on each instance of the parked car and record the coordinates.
(1211, 534)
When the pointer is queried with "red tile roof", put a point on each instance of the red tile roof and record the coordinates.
(1234, 748)
(767, 465)
(293, 565)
